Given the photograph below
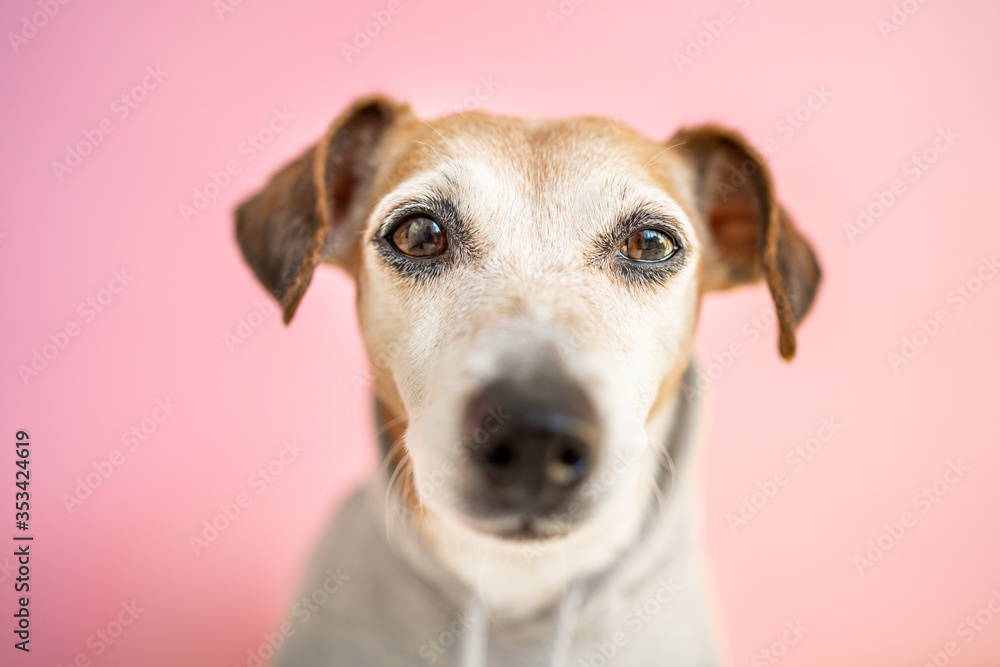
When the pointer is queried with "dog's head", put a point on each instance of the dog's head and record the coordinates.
(530, 289)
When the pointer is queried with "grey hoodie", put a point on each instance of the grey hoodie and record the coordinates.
(365, 603)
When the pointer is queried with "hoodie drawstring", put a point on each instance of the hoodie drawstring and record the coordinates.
(474, 648)
(569, 614)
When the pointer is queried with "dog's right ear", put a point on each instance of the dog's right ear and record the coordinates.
(312, 210)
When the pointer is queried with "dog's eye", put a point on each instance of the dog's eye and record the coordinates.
(419, 236)
(648, 245)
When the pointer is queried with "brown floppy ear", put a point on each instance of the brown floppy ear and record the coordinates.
(752, 236)
(312, 209)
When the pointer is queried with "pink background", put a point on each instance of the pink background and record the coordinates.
(163, 336)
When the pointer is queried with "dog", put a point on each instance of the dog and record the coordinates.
(530, 290)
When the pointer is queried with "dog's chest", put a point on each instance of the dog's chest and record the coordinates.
(362, 605)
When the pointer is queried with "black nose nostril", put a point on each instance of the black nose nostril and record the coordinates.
(571, 457)
(499, 456)
(531, 442)
(568, 466)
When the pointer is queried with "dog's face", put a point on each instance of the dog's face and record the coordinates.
(529, 291)
(535, 284)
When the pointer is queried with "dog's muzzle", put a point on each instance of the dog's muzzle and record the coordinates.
(532, 445)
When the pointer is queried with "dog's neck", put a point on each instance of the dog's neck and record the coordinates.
(521, 580)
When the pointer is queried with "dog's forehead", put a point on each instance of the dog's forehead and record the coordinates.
(533, 173)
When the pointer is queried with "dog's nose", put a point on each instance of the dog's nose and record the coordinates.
(533, 442)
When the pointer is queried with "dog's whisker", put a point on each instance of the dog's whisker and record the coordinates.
(390, 500)
(394, 504)
(388, 425)
(395, 453)
(671, 468)
(392, 454)
(662, 152)
(424, 143)
(439, 134)
(661, 496)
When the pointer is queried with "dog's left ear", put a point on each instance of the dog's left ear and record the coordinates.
(751, 235)
(311, 210)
